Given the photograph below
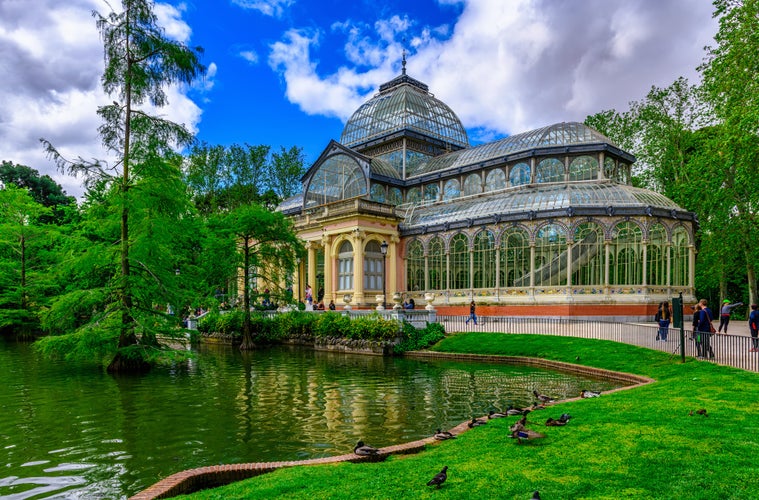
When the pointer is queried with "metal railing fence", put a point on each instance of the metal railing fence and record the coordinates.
(725, 349)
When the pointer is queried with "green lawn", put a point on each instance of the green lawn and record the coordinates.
(640, 443)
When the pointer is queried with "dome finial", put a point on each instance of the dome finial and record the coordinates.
(403, 61)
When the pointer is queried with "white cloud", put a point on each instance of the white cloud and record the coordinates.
(273, 8)
(508, 67)
(250, 55)
(51, 64)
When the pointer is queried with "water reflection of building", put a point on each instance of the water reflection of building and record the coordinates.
(543, 222)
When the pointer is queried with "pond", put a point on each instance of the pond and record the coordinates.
(72, 431)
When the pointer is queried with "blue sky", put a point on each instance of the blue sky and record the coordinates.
(290, 72)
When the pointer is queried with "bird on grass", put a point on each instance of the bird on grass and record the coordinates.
(565, 417)
(439, 478)
(496, 414)
(364, 450)
(526, 435)
(514, 411)
(700, 411)
(535, 495)
(443, 435)
(542, 398)
(589, 394)
(476, 422)
(551, 422)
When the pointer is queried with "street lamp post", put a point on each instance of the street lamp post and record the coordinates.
(383, 249)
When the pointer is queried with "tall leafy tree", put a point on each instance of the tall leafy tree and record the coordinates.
(264, 246)
(140, 61)
(287, 168)
(43, 189)
(731, 84)
(27, 253)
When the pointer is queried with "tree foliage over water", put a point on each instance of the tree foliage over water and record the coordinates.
(140, 254)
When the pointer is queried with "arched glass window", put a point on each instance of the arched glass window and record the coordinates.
(549, 170)
(484, 260)
(550, 266)
(610, 168)
(473, 184)
(583, 168)
(436, 264)
(515, 257)
(656, 267)
(459, 255)
(495, 179)
(626, 250)
(395, 197)
(680, 257)
(588, 255)
(345, 266)
(520, 174)
(451, 189)
(431, 192)
(373, 264)
(414, 195)
(338, 178)
(378, 193)
(415, 266)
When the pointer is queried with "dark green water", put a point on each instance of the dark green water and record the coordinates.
(69, 431)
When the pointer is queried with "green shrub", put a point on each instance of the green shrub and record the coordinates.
(372, 327)
(332, 324)
(415, 339)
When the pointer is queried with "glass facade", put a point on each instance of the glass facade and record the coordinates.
(548, 214)
(338, 178)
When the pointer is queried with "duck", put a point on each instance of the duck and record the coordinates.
(589, 394)
(700, 411)
(555, 423)
(565, 417)
(535, 495)
(511, 411)
(526, 435)
(364, 450)
(476, 422)
(443, 435)
(439, 478)
(542, 397)
(495, 414)
(523, 421)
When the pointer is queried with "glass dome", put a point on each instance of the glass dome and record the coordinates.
(404, 104)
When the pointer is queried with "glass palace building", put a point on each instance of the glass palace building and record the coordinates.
(541, 223)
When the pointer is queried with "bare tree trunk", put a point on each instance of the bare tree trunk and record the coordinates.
(247, 334)
(751, 276)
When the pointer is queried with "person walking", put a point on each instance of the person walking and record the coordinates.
(705, 328)
(472, 314)
(665, 317)
(696, 335)
(753, 325)
(724, 314)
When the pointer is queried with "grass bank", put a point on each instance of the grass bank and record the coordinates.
(638, 444)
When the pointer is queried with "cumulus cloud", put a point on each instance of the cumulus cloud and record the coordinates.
(508, 67)
(52, 61)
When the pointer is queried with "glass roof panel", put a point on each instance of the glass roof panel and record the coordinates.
(546, 197)
(559, 134)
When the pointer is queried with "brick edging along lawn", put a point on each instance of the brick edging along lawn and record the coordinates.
(193, 480)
